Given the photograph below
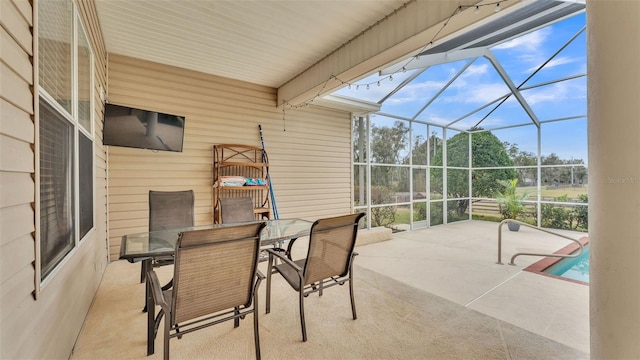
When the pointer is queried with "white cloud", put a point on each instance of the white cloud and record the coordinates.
(475, 70)
(459, 92)
(416, 92)
(488, 123)
(526, 43)
(557, 92)
(438, 119)
(553, 63)
(481, 93)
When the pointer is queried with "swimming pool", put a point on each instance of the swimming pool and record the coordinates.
(572, 268)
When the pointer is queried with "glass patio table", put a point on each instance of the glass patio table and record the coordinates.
(162, 243)
(146, 246)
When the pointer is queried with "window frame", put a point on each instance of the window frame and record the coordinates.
(73, 118)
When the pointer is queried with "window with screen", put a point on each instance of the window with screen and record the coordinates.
(65, 113)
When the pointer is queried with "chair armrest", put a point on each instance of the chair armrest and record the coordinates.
(260, 276)
(289, 247)
(284, 259)
(156, 290)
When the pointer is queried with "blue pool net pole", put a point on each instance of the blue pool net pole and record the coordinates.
(264, 158)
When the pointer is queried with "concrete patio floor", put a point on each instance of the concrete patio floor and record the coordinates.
(458, 262)
(433, 293)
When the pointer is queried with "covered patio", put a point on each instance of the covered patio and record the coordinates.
(432, 293)
(229, 68)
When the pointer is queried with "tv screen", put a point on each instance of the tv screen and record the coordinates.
(144, 129)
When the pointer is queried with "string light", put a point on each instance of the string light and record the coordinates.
(403, 69)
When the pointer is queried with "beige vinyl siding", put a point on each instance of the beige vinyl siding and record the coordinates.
(46, 327)
(17, 135)
(309, 151)
(313, 176)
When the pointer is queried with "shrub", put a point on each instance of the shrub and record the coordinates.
(564, 217)
(384, 215)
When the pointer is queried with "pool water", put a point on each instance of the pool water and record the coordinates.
(572, 268)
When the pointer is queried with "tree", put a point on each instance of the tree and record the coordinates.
(387, 147)
(457, 179)
(423, 150)
(487, 151)
(419, 151)
(526, 176)
(388, 143)
(562, 175)
(384, 215)
(359, 140)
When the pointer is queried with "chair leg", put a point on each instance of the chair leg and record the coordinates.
(353, 304)
(304, 326)
(167, 330)
(269, 270)
(143, 271)
(236, 319)
(146, 267)
(256, 333)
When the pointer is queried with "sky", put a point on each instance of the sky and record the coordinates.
(480, 84)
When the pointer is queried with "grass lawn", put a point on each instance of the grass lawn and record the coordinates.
(548, 194)
(402, 214)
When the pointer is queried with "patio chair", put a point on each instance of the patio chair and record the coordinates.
(239, 209)
(329, 261)
(215, 279)
(168, 210)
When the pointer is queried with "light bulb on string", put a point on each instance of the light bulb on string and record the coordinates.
(497, 7)
(357, 87)
(477, 11)
(349, 86)
(390, 77)
(367, 86)
(378, 83)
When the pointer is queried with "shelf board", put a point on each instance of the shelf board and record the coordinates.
(249, 187)
(239, 163)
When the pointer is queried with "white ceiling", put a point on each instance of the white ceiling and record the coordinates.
(262, 42)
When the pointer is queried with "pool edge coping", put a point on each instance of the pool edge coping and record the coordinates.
(541, 265)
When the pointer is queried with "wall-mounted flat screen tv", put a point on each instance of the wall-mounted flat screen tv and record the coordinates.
(144, 129)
